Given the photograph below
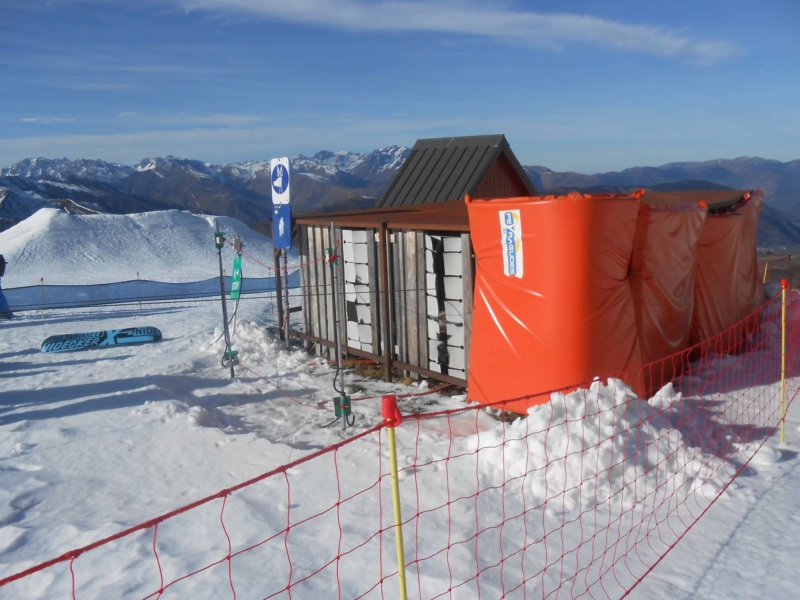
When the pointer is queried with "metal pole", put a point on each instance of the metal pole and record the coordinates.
(219, 239)
(343, 403)
(335, 279)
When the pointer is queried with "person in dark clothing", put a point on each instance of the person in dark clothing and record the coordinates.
(5, 309)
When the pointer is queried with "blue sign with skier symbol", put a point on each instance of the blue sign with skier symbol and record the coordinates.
(281, 226)
(280, 179)
(279, 169)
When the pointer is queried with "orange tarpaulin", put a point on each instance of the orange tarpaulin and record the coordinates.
(662, 283)
(728, 286)
(575, 287)
(552, 303)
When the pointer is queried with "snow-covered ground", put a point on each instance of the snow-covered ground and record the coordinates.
(94, 442)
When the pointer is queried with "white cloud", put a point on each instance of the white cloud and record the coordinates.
(46, 120)
(481, 19)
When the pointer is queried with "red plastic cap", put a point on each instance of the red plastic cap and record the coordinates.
(784, 284)
(390, 412)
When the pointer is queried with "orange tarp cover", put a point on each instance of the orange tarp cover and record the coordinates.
(728, 285)
(565, 313)
(575, 287)
(663, 266)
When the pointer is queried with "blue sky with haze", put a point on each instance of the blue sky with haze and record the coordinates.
(586, 86)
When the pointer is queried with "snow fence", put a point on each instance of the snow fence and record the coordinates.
(40, 297)
(584, 496)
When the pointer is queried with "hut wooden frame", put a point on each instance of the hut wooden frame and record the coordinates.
(396, 251)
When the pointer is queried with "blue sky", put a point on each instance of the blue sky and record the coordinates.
(586, 86)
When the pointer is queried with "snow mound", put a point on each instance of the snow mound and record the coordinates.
(764, 456)
(170, 246)
(582, 449)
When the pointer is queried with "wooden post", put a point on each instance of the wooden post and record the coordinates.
(279, 290)
(387, 340)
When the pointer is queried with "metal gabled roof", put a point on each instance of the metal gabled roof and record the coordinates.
(441, 169)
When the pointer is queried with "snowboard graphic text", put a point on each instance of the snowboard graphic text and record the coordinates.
(96, 339)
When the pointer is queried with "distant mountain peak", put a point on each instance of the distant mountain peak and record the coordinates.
(63, 169)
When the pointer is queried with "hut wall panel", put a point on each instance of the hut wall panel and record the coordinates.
(432, 308)
(415, 320)
(318, 290)
(327, 317)
(305, 278)
(402, 297)
(374, 300)
(451, 319)
(411, 299)
(408, 298)
(316, 285)
(452, 264)
(430, 281)
(431, 305)
(453, 288)
(357, 279)
(336, 244)
(467, 270)
(401, 319)
(454, 311)
(319, 281)
(324, 284)
(349, 270)
(433, 352)
(501, 181)
(421, 302)
(452, 245)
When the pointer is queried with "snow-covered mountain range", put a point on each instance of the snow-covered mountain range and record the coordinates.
(342, 180)
(323, 162)
(325, 181)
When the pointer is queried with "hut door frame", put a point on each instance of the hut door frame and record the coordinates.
(447, 308)
(361, 307)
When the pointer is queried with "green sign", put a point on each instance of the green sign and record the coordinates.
(236, 280)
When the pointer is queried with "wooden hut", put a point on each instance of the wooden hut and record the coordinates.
(405, 269)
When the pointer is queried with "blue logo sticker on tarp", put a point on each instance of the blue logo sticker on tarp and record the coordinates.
(511, 230)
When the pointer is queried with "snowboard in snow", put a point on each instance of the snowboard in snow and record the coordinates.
(72, 342)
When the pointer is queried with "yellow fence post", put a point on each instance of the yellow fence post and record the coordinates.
(392, 418)
(784, 288)
(766, 268)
